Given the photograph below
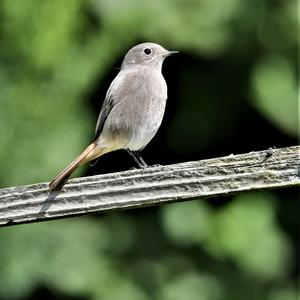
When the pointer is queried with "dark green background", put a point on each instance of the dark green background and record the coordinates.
(233, 89)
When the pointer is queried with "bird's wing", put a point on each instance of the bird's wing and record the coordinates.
(122, 86)
(107, 106)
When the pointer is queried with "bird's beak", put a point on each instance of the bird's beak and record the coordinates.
(172, 52)
(168, 53)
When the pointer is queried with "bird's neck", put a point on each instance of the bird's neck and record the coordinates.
(143, 68)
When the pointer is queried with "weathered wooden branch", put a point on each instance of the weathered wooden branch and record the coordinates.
(272, 168)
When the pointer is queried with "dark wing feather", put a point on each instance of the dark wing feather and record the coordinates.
(122, 86)
(106, 108)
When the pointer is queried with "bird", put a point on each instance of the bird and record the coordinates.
(132, 110)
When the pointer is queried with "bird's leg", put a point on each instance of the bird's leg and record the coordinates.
(137, 158)
(137, 154)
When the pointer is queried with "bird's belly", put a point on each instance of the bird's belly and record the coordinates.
(142, 135)
(134, 126)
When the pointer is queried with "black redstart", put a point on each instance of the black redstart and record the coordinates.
(132, 110)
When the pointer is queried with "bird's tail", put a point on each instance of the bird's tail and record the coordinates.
(88, 154)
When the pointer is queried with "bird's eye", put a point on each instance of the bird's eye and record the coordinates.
(147, 51)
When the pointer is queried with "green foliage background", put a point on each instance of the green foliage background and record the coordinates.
(52, 55)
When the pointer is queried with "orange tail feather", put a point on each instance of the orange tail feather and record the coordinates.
(79, 160)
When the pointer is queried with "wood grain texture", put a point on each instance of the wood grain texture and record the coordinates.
(272, 168)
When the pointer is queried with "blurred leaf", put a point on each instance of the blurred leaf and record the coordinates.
(286, 293)
(246, 231)
(274, 84)
(192, 286)
(209, 22)
(120, 288)
(64, 254)
(187, 223)
(41, 30)
(278, 25)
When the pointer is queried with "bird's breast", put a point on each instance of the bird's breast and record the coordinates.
(138, 116)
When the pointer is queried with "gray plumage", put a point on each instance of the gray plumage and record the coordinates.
(135, 101)
(133, 108)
